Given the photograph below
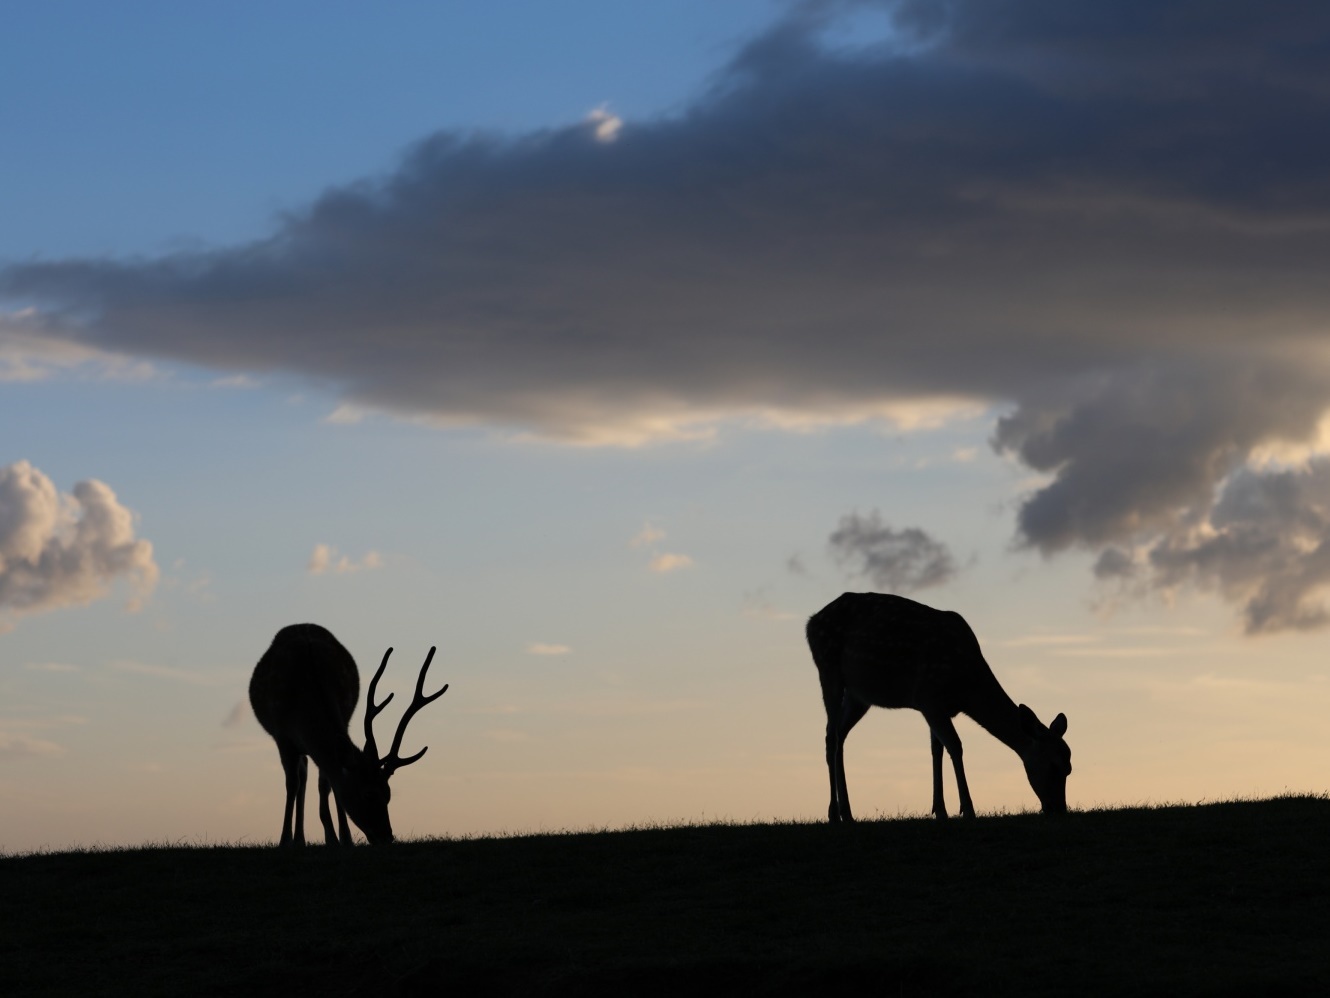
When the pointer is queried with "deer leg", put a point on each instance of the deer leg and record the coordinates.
(939, 804)
(325, 815)
(302, 774)
(343, 827)
(833, 809)
(851, 713)
(832, 695)
(945, 732)
(291, 759)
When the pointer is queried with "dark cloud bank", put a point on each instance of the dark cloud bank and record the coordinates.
(1113, 218)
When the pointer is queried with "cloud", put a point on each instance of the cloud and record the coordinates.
(647, 536)
(604, 125)
(597, 705)
(540, 648)
(661, 562)
(173, 674)
(347, 415)
(1110, 220)
(1264, 544)
(324, 559)
(1130, 450)
(65, 550)
(51, 667)
(892, 560)
(27, 353)
(818, 233)
(14, 747)
(237, 715)
(507, 735)
(1157, 480)
(757, 604)
(1052, 640)
(17, 743)
(666, 562)
(242, 382)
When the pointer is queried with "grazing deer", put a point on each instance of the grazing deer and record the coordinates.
(304, 691)
(874, 650)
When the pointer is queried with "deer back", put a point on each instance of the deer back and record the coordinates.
(305, 687)
(890, 651)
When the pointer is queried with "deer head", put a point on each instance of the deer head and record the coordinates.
(362, 782)
(1047, 760)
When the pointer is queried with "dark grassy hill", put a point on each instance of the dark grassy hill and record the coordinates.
(1219, 899)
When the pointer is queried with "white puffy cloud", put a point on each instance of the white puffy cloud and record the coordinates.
(668, 562)
(544, 648)
(604, 125)
(325, 560)
(62, 550)
(660, 562)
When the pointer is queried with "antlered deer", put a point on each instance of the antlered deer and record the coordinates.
(304, 691)
(875, 650)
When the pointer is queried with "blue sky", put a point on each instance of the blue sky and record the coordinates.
(148, 126)
(602, 344)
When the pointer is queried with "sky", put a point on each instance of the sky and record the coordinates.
(599, 345)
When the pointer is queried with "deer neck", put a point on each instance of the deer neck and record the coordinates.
(330, 747)
(996, 712)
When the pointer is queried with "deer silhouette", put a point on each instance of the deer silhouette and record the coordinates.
(876, 650)
(304, 691)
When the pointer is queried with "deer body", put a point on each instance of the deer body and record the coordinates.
(304, 691)
(877, 650)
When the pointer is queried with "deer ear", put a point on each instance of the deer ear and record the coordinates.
(1059, 725)
(1029, 723)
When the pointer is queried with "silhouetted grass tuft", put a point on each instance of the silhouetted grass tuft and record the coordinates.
(1227, 898)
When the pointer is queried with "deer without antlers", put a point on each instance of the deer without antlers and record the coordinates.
(304, 691)
(875, 650)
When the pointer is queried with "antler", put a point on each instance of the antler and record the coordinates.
(372, 710)
(392, 761)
